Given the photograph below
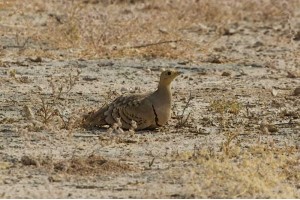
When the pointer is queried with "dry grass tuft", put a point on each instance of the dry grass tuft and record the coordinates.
(239, 164)
(155, 29)
(183, 118)
(83, 166)
(49, 108)
(257, 172)
(93, 165)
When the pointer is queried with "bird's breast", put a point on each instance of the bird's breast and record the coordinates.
(163, 113)
(161, 101)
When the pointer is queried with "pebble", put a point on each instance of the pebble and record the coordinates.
(26, 160)
(291, 75)
(226, 74)
(274, 92)
(55, 178)
(148, 70)
(297, 91)
(124, 89)
(162, 69)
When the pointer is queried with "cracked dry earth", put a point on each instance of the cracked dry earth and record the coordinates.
(49, 161)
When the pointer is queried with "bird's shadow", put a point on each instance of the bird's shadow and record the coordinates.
(104, 129)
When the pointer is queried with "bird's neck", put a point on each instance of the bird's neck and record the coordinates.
(163, 103)
(164, 88)
(164, 91)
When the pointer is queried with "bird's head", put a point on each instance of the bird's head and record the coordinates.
(168, 76)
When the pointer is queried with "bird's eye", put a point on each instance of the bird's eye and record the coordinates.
(169, 73)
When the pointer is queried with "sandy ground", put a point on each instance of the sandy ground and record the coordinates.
(239, 135)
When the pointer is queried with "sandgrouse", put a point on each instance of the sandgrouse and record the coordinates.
(148, 111)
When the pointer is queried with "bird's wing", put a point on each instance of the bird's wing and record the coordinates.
(136, 107)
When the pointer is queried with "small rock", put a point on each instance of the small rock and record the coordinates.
(297, 36)
(256, 65)
(183, 62)
(297, 91)
(55, 178)
(220, 49)
(274, 92)
(25, 79)
(124, 89)
(105, 64)
(291, 75)
(148, 70)
(163, 30)
(7, 181)
(137, 88)
(26, 160)
(162, 69)
(226, 74)
(276, 104)
(272, 128)
(5, 165)
(202, 73)
(266, 127)
(173, 45)
(257, 44)
(37, 59)
(290, 114)
(28, 113)
(214, 59)
(203, 27)
(88, 78)
(277, 27)
(61, 166)
(228, 31)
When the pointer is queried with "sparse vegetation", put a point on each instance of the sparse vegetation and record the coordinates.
(59, 58)
(54, 107)
(183, 118)
(255, 172)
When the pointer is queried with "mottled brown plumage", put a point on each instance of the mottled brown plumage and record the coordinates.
(148, 110)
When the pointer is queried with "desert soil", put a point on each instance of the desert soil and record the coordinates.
(234, 131)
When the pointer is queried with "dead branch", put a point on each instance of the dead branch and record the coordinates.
(153, 44)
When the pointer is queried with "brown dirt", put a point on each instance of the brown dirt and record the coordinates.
(235, 127)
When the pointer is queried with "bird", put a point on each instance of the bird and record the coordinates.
(146, 111)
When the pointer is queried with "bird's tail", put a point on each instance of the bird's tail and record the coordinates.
(94, 118)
